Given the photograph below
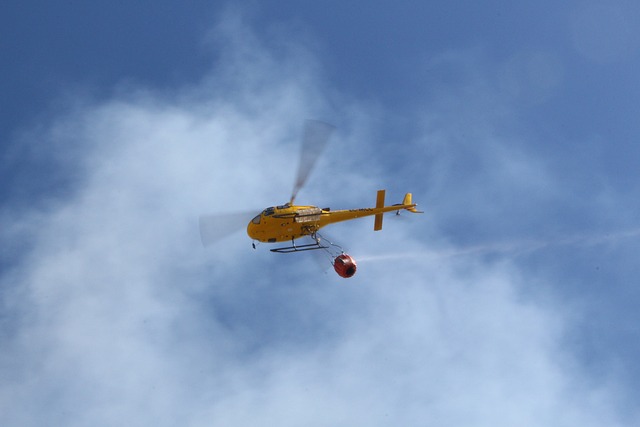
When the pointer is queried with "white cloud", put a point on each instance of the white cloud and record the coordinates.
(119, 316)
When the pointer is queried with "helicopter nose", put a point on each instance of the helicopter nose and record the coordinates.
(252, 228)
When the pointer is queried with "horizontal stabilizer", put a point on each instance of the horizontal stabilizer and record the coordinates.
(377, 225)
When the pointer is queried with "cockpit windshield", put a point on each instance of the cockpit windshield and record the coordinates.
(268, 211)
(256, 219)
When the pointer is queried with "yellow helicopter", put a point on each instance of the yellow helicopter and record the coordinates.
(289, 222)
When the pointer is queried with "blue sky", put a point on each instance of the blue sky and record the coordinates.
(511, 301)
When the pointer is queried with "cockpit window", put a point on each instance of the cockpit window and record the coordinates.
(268, 211)
(256, 220)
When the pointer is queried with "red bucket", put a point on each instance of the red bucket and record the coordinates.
(345, 266)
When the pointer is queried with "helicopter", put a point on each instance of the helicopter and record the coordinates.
(290, 222)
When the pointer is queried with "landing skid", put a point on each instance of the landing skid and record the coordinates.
(299, 248)
(318, 243)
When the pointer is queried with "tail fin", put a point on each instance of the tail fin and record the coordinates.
(377, 225)
(409, 205)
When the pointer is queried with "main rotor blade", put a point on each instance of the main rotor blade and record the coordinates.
(215, 227)
(315, 138)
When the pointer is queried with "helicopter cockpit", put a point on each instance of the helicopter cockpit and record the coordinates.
(268, 212)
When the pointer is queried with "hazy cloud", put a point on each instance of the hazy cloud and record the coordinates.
(117, 315)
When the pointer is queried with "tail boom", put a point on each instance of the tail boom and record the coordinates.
(331, 217)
